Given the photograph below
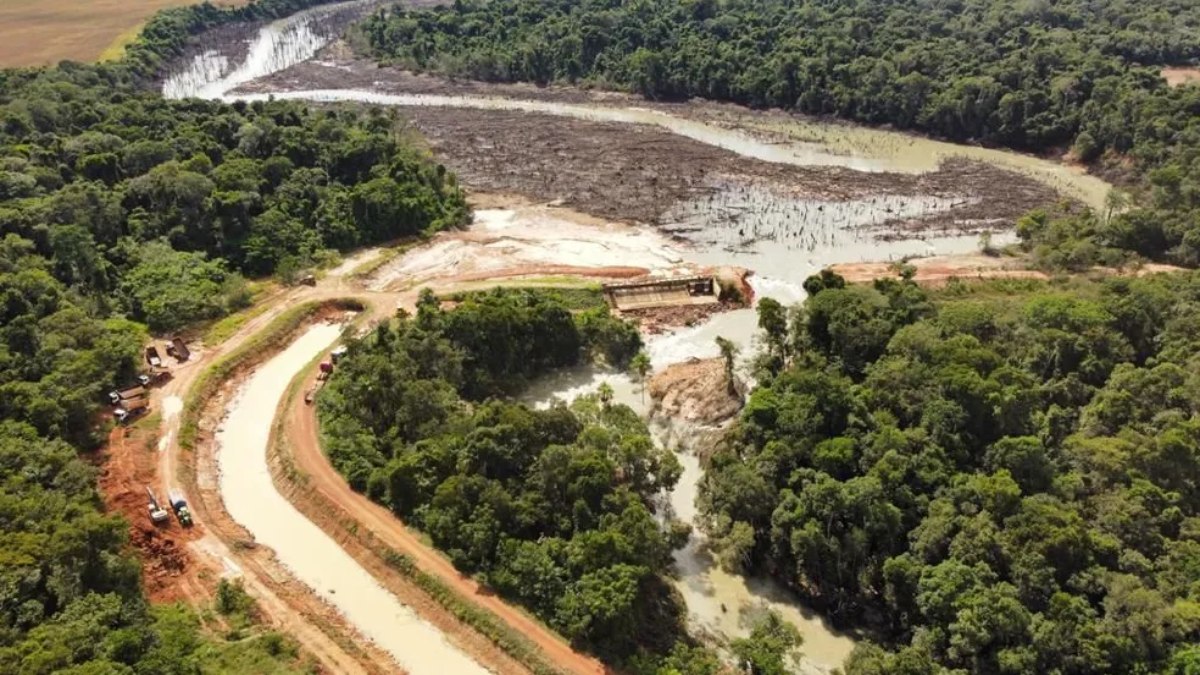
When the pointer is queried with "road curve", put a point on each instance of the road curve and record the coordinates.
(324, 483)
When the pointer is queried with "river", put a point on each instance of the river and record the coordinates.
(717, 601)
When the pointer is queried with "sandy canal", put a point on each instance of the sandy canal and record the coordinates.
(783, 235)
(312, 556)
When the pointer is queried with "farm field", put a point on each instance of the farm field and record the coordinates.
(40, 32)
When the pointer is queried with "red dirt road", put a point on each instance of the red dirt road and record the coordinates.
(301, 424)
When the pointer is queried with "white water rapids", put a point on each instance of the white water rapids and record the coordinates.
(716, 600)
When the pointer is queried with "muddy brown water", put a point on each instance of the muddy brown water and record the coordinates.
(782, 238)
(312, 556)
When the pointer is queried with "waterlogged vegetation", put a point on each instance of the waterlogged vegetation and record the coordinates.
(1025, 75)
(997, 478)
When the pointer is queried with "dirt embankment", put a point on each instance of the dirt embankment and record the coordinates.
(696, 391)
(938, 270)
(1179, 76)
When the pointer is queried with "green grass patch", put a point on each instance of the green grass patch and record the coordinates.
(277, 333)
(389, 254)
(512, 642)
(223, 329)
(582, 296)
(116, 50)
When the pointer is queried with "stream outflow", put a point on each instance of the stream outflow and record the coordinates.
(717, 601)
(312, 556)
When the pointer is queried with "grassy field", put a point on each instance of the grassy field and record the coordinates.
(39, 32)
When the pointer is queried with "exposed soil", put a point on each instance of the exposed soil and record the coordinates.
(638, 172)
(365, 529)
(658, 320)
(127, 468)
(1177, 77)
(695, 391)
(44, 32)
(937, 270)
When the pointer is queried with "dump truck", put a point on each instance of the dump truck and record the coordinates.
(179, 504)
(154, 376)
(178, 348)
(131, 408)
(152, 357)
(115, 397)
(158, 514)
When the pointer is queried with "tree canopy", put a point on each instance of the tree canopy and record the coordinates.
(1036, 76)
(1002, 478)
(554, 508)
(119, 210)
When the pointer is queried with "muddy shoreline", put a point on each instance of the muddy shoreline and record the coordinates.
(637, 172)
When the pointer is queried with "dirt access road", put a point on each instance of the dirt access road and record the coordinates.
(183, 564)
(214, 550)
(326, 489)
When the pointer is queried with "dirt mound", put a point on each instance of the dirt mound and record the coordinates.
(695, 391)
(658, 320)
(163, 558)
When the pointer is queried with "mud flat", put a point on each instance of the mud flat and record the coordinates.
(520, 239)
(635, 163)
(788, 137)
(312, 556)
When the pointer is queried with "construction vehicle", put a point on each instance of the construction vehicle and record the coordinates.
(178, 348)
(179, 504)
(158, 514)
(157, 375)
(131, 408)
(324, 370)
(152, 357)
(115, 397)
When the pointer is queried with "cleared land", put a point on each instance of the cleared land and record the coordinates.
(1177, 77)
(40, 32)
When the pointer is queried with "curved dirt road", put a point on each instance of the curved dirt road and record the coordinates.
(217, 544)
(325, 484)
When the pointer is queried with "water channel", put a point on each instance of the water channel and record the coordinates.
(313, 556)
(718, 602)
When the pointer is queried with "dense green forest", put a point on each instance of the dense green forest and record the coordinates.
(156, 208)
(552, 508)
(120, 210)
(1030, 75)
(997, 478)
